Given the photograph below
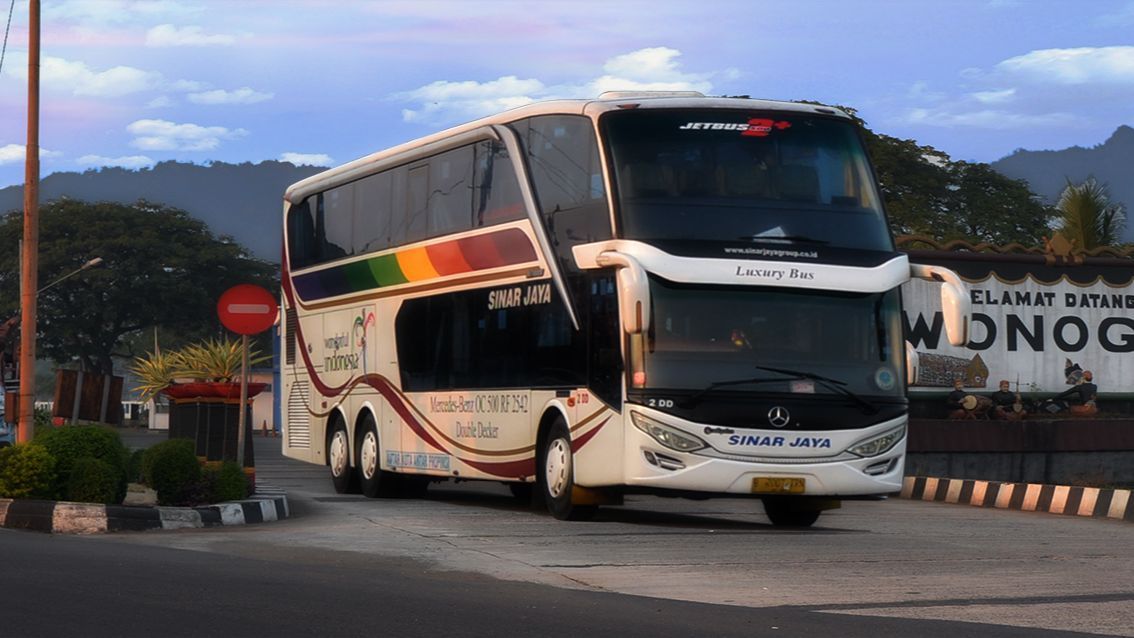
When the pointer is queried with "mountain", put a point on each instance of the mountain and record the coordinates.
(241, 200)
(1111, 163)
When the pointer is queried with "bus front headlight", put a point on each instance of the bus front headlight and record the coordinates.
(879, 444)
(670, 437)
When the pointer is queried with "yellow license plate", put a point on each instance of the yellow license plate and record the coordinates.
(778, 485)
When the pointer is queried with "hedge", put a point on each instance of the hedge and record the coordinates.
(27, 470)
(68, 444)
(93, 481)
(171, 468)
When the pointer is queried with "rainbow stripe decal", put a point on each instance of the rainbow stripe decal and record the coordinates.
(508, 247)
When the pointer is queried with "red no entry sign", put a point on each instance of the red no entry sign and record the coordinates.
(247, 309)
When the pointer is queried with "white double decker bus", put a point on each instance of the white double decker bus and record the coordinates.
(641, 293)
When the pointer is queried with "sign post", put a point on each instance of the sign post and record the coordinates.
(246, 310)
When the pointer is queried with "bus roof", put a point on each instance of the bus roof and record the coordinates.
(610, 101)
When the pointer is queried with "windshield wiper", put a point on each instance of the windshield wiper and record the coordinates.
(691, 401)
(831, 384)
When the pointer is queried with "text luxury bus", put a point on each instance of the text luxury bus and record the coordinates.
(642, 293)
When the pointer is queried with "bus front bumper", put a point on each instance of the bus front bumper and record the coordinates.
(773, 462)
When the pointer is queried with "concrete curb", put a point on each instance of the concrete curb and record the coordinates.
(60, 517)
(1066, 500)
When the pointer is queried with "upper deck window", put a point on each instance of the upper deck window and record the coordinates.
(448, 193)
(725, 175)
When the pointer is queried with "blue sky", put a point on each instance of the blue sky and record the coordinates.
(134, 82)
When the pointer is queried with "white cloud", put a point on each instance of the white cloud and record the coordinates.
(307, 159)
(650, 69)
(167, 35)
(128, 161)
(988, 119)
(243, 95)
(16, 153)
(79, 79)
(444, 100)
(160, 102)
(12, 153)
(161, 135)
(656, 66)
(187, 86)
(1033, 91)
(921, 91)
(995, 96)
(1073, 66)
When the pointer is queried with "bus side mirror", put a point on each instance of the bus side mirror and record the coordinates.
(912, 362)
(956, 307)
(633, 290)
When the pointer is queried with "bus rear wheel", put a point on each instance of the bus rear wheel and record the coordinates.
(557, 476)
(343, 476)
(790, 512)
(375, 481)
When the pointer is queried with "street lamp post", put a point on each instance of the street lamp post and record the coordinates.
(30, 259)
(89, 264)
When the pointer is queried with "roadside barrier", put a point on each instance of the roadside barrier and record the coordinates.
(1066, 500)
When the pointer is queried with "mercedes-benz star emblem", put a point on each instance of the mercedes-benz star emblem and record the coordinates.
(779, 416)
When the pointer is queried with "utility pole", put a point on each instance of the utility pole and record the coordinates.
(29, 282)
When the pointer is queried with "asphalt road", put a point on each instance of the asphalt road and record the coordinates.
(467, 560)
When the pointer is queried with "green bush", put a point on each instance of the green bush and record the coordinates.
(27, 470)
(93, 481)
(231, 483)
(70, 443)
(171, 468)
(218, 483)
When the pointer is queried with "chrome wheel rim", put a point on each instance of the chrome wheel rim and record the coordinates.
(368, 455)
(557, 467)
(339, 457)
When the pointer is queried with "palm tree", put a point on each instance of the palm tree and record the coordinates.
(1090, 219)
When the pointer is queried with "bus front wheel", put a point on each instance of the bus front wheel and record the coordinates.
(343, 475)
(557, 476)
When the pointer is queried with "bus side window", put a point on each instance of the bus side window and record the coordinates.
(338, 220)
(450, 192)
(417, 204)
(496, 191)
(301, 235)
(372, 197)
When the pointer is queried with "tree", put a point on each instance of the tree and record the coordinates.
(161, 269)
(988, 206)
(928, 193)
(1088, 217)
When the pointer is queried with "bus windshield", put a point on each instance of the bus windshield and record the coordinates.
(763, 340)
(724, 175)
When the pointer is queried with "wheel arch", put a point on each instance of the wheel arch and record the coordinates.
(551, 412)
(366, 411)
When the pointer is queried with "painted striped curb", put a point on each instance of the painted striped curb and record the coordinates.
(60, 517)
(1066, 500)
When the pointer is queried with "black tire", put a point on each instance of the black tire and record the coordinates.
(557, 476)
(343, 475)
(374, 480)
(789, 512)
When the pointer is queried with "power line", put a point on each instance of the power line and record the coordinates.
(4, 49)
